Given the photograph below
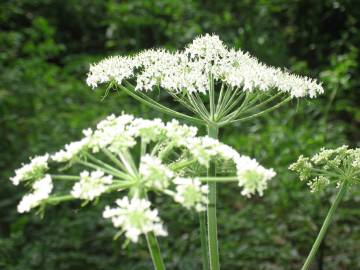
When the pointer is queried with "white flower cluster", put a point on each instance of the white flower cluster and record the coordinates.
(71, 150)
(111, 133)
(191, 194)
(117, 133)
(153, 173)
(191, 68)
(252, 176)
(91, 185)
(135, 217)
(172, 143)
(33, 170)
(41, 190)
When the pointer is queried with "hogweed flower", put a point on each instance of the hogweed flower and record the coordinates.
(191, 193)
(338, 167)
(34, 169)
(215, 83)
(171, 160)
(135, 217)
(91, 185)
(41, 191)
(153, 173)
(216, 86)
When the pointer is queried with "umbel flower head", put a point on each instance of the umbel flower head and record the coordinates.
(132, 157)
(215, 83)
(329, 167)
(135, 217)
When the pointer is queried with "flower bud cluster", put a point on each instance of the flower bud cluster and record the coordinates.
(329, 166)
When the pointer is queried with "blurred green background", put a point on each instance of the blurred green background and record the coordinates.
(46, 47)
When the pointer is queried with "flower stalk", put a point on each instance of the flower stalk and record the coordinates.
(155, 252)
(325, 226)
(211, 210)
(204, 241)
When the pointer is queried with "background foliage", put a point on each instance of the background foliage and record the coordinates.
(45, 50)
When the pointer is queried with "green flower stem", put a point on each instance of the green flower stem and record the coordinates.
(164, 152)
(266, 101)
(154, 249)
(65, 177)
(182, 164)
(113, 158)
(127, 163)
(325, 226)
(219, 179)
(158, 106)
(120, 186)
(211, 210)
(96, 167)
(107, 166)
(143, 148)
(204, 242)
(234, 102)
(259, 113)
(131, 160)
(58, 199)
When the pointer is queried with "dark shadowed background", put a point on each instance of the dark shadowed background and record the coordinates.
(46, 47)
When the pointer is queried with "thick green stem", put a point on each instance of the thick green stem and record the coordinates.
(219, 179)
(154, 249)
(324, 227)
(204, 242)
(211, 210)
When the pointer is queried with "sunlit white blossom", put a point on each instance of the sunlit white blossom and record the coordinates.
(190, 193)
(189, 70)
(148, 130)
(252, 176)
(202, 148)
(91, 185)
(168, 151)
(41, 190)
(71, 150)
(153, 173)
(114, 68)
(111, 133)
(33, 170)
(178, 133)
(135, 217)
